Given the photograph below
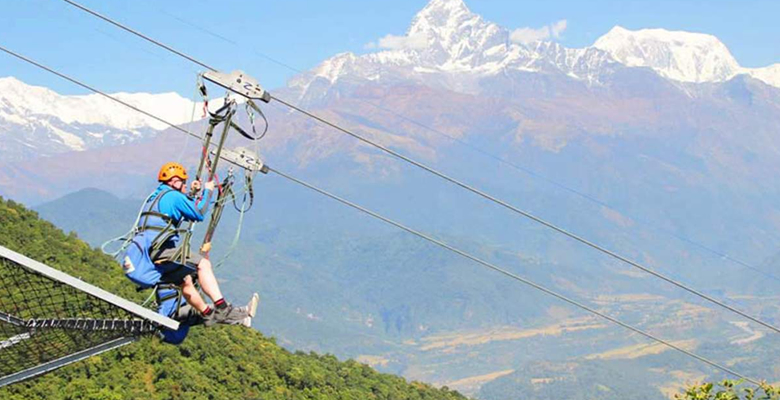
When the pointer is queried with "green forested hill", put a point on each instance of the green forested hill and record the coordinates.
(219, 363)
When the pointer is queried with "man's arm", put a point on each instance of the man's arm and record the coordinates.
(202, 205)
(178, 205)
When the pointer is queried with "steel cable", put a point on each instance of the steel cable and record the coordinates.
(423, 236)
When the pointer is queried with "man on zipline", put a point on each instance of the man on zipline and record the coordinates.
(157, 253)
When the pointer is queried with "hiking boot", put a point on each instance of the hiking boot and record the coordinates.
(231, 315)
(243, 315)
(227, 315)
(251, 310)
(211, 319)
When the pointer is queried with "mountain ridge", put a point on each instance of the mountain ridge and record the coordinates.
(446, 46)
(446, 38)
(37, 121)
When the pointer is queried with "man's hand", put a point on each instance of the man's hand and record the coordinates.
(210, 185)
(195, 186)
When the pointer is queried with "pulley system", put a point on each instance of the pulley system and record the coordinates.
(214, 149)
(222, 123)
(239, 83)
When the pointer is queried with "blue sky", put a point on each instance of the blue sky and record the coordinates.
(300, 34)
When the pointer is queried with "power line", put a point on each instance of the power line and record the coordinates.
(464, 186)
(528, 171)
(421, 235)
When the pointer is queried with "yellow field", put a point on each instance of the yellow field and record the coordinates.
(640, 350)
(475, 382)
(451, 341)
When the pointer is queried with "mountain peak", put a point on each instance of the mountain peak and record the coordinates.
(452, 32)
(679, 55)
(449, 5)
(441, 16)
(442, 13)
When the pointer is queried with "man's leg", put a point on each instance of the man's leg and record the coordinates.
(205, 272)
(208, 281)
(193, 297)
(222, 311)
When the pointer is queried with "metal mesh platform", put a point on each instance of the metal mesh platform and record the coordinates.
(49, 319)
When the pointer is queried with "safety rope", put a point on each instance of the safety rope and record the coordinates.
(248, 197)
(192, 117)
(127, 238)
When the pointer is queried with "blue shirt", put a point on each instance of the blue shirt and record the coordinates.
(177, 205)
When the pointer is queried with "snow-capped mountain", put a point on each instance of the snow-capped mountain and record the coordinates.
(770, 75)
(449, 43)
(449, 46)
(446, 47)
(681, 56)
(38, 121)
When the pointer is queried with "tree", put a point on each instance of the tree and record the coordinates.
(730, 390)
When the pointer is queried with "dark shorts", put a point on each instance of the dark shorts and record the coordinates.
(173, 271)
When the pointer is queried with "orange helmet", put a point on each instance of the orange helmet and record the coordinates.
(170, 170)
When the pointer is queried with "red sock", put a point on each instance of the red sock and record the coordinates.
(208, 311)
(221, 303)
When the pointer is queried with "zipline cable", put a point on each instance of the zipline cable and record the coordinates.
(108, 96)
(420, 234)
(578, 193)
(510, 274)
(528, 171)
(139, 34)
(92, 89)
(459, 183)
(533, 217)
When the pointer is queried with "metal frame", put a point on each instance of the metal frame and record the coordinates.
(240, 83)
(10, 319)
(101, 294)
(243, 158)
(14, 340)
(61, 362)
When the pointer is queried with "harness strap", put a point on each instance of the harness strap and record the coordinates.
(176, 294)
(170, 230)
(149, 213)
(152, 228)
(165, 234)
